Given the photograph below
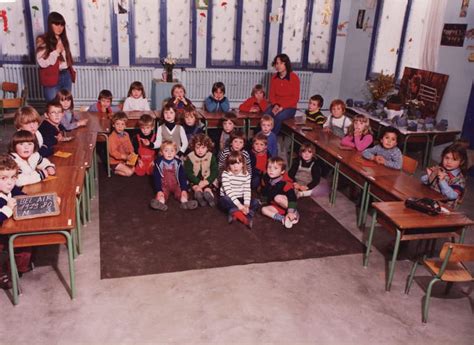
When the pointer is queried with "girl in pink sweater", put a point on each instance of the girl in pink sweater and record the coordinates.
(359, 134)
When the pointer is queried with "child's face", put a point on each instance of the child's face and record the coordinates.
(266, 127)
(136, 93)
(337, 111)
(7, 180)
(168, 152)
(359, 126)
(169, 115)
(30, 127)
(146, 129)
(65, 103)
(237, 144)
(236, 168)
(259, 146)
(105, 102)
(119, 126)
(25, 150)
(218, 94)
(450, 162)
(55, 114)
(190, 120)
(228, 126)
(274, 170)
(178, 92)
(306, 155)
(259, 94)
(200, 150)
(313, 106)
(389, 140)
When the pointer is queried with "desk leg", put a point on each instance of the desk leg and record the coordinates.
(13, 269)
(106, 137)
(361, 217)
(394, 261)
(292, 147)
(369, 240)
(206, 126)
(88, 196)
(335, 181)
(463, 234)
(78, 224)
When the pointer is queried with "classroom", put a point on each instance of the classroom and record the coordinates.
(236, 172)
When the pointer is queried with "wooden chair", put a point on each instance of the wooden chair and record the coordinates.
(8, 87)
(449, 268)
(409, 165)
(8, 106)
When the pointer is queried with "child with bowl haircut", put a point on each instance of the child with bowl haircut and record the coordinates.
(120, 146)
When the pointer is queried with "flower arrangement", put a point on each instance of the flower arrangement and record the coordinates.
(381, 86)
(168, 63)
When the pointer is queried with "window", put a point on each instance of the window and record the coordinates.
(145, 37)
(307, 34)
(237, 33)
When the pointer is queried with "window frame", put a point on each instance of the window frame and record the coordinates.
(236, 63)
(303, 66)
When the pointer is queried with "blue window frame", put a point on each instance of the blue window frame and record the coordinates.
(237, 54)
(314, 34)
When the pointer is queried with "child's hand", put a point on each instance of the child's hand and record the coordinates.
(140, 163)
(245, 209)
(45, 172)
(51, 170)
(145, 142)
(326, 129)
(379, 159)
(276, 109)
(59, 137)
(303, 188)
(82, 123)
(203, 183)
(255, 109)
(124, 156)
(429, 171)
(297, 186)
(291, 216)
(442, 174)
(11, 203)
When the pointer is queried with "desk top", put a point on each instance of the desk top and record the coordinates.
(81, 148)
(101, 122)
(407, 218)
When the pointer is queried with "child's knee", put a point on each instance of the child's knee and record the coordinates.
(281, 199)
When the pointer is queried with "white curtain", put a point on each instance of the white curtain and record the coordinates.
(432, 37)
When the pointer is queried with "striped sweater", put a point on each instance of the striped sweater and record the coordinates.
(226, 153)
(235, 187)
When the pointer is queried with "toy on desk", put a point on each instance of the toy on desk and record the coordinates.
(62, 154)
(35, 206)
(132, 159)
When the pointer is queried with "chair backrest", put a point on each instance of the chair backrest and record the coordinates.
(24, 96)
(460, 252)
(409, 165)
(9, 87)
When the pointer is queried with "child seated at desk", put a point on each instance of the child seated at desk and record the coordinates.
(178, 99)
(120, 146)
(314, 114)
(359, 135)
(51, 128)
(217, 102)
(337, 123)
(143, 145)
(386, 153)
(104, 104)
(32, 167)
(447, 178)
(306, 171)
(136, 98)
(28, 119)
(257, 103)
(68, 121)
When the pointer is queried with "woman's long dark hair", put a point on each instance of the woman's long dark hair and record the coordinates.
(50, 40)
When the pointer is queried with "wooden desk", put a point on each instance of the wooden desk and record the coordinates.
(407, 225)
(212, 120)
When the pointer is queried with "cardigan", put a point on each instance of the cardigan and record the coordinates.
(49, 131)
(252, 101)
(5, 211)
(31, 170)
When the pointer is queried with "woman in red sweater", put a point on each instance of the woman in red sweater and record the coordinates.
(284, 92)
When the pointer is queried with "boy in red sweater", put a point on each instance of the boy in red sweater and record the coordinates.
(257, 103)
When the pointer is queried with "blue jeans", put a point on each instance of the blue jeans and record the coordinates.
(227, 205)
(64, 82)
(283, 115)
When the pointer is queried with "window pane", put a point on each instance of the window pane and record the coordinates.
(294, 29)
(388, 36)
(254, 18)
(414, 43)
(179, 30)
(69, 11)
(15, 45)
(97, 31)
(321, 34)
(224, 15)
(147, 34)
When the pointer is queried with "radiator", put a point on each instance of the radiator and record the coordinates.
(198, 82)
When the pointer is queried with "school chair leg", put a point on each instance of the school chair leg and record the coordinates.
(426, 303)
(78, 225)
(72, 277)
(13, 269)
(394, 261)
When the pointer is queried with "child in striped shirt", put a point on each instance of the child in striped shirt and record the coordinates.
(235, 194)
(236, 143)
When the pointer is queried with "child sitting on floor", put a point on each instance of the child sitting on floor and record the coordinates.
(32, 168)
(69, 121)
(169, 178)
(236, 143)
(258, 158)
(235, 193)
(359, 135)
(305, 171)
(280, 194)
(447, 178)
(217, 102)
(386, 153)
(257, 103)
(201, 168)
(143, 145)
(51, 128)
(169, 130)
(120, 147)
(266, 124)
(136, 98)
(28, 119)
(314, 114)
(337, 123)
(104, 104)
(228, 123)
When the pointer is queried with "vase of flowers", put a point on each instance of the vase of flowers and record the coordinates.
(381, 86)
(168, 64)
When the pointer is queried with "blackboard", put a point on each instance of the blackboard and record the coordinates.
(35, 206)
